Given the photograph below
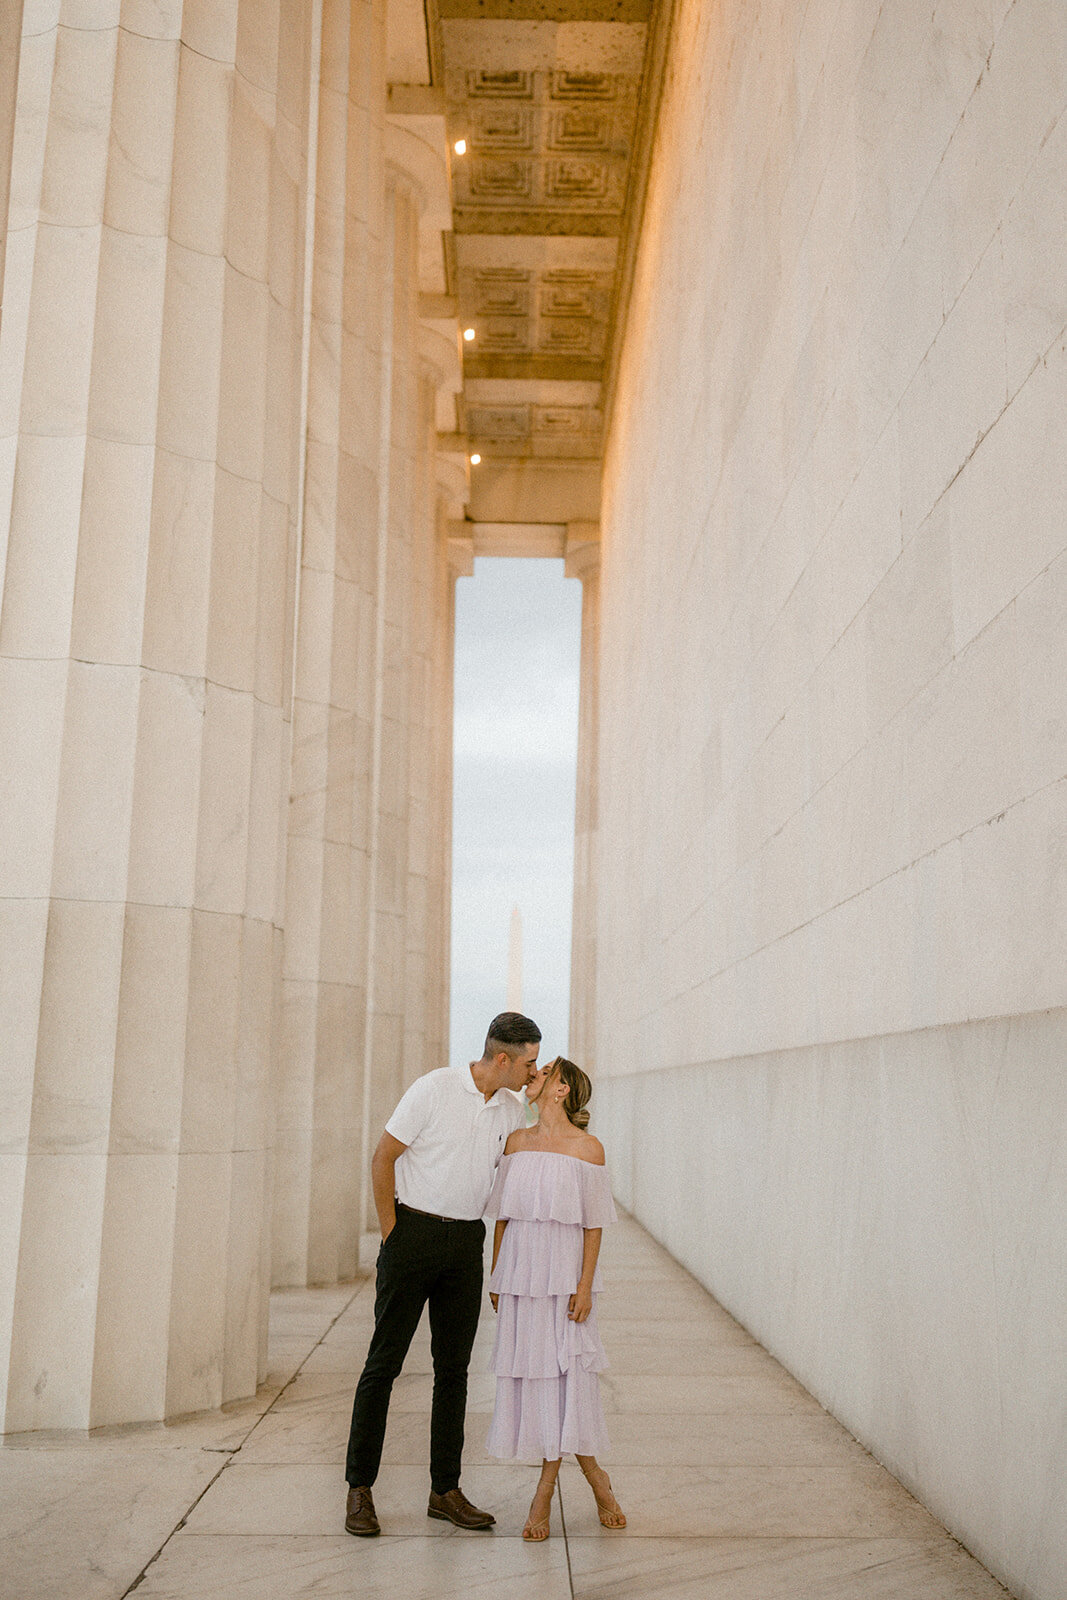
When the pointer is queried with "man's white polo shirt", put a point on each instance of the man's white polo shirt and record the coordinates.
(454, 1139)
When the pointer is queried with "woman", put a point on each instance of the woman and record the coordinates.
(551, 1198)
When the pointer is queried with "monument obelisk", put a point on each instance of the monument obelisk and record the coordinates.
(514, 1000)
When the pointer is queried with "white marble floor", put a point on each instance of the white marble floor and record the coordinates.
(737, 1485)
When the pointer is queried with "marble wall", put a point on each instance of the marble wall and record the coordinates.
(832, 799)
(217, 660)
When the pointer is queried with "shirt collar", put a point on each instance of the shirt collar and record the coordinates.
(469, 1084)
(472, 1088)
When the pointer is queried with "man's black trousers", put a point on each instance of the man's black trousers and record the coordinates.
(424, 1260)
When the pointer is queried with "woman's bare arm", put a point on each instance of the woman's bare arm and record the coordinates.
(498, 1234)
(581, 1301)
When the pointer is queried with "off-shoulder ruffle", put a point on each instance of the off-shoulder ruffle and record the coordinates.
(545, 1186)
(540, 1258)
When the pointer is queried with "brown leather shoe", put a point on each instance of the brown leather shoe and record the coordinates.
(359, 1514)
(455, 1507)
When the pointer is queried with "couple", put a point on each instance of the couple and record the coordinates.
(457, 1148)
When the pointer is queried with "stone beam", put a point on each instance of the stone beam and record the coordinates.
(519, 539)
(415, 100)
(548, 10)
(562, 369)
(438, 307)
(535, 491)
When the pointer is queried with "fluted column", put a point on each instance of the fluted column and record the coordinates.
(388, 864)
(454, 558)
(419, 931)
(10, 36)
(418, 361)
(147, 374)
(316, 1212)
(583, 561)
(429, 671)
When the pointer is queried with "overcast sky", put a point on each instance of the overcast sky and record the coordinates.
(518, 626)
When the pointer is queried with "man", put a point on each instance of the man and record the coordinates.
(431, 1174)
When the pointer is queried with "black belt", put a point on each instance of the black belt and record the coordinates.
(433, 1215)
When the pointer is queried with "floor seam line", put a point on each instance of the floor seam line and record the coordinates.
(181, 1523)
(297, 1370)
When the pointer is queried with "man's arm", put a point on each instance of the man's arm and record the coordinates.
(383, 1181)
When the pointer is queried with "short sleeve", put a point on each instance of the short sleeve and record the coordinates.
(413, 1110)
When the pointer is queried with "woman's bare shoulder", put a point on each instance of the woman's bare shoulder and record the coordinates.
(516, 1141)
(590, 1149)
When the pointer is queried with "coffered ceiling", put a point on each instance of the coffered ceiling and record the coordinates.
(555, 102)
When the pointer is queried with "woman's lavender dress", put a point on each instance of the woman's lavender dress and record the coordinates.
(547, 1391)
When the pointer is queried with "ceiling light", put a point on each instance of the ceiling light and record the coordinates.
(475, 458)
(460, 147)
(468, 334)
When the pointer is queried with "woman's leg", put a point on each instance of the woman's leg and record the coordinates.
(536, 1527)
(608, 1508)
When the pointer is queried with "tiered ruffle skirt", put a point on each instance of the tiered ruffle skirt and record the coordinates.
(548, 1393)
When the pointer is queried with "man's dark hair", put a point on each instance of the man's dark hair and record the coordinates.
(509, 1032)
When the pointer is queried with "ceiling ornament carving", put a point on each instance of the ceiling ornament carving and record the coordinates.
(556, 141)
(482, 85)
(563, 432)
(548, 97)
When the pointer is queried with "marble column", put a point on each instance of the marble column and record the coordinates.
(222, 674)
(453, 558)
(418, 666)
(389, 800)
(583, 561)
(10, 37)
(404, 891)
(428, 666)
(320, 1100)
(145, 494)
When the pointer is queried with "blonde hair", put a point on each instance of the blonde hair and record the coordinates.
(579, 1090)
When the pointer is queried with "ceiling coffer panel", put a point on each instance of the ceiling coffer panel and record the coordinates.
(554, 144)
(547, 98)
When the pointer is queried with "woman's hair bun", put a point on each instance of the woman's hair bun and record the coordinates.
(579, 1090)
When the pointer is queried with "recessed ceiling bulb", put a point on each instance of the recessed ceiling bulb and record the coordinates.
(468, 334)
(475, 458)
(460, 147)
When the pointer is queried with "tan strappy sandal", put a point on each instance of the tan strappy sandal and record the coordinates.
(611, 1516)
(538, 1532)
